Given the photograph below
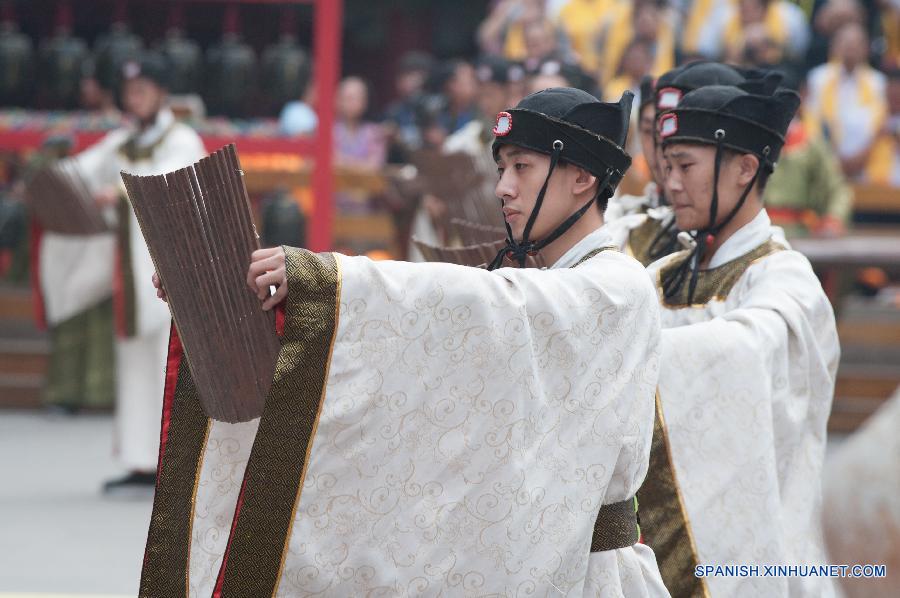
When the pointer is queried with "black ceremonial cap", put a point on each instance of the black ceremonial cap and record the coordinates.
(648, 85)
(592, 132)
(746, 122)
(674, 84)
(150, 65)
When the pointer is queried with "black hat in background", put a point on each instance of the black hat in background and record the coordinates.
(675, 84)
(150, 65)
(648, 85)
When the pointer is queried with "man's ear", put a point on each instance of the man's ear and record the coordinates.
(584, 180)
(747, 167)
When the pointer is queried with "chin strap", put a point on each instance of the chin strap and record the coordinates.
(704, 237)
(519, 251)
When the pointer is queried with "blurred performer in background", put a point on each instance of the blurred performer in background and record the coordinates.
(154, 144)
(861, 513)
(750, 353)
(72, 277)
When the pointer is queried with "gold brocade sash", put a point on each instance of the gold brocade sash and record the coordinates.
(714, 283)
(665, 526)
(641, 238)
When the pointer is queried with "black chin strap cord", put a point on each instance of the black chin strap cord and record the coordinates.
(519, 251)
(675, 280)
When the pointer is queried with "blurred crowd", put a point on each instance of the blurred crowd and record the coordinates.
(843, 56)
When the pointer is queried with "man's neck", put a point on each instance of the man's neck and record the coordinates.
(745, 215)
(588, 223)
(144, 125)
(849, 69)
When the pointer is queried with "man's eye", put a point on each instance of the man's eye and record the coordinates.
(685, 167)
(500, 171)
(520, 166)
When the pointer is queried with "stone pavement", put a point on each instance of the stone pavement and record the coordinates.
(58, 534)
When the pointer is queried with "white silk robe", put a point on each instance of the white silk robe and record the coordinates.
(470, 425)
(746, 383)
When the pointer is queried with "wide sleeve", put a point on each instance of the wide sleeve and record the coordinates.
(99, 164)
(746, 397)
(485, 415)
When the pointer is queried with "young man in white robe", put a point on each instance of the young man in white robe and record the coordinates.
(155, 144)
(433, 429)
(749, 355)
(643, 226)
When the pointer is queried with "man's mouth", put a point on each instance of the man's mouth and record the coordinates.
(510, 213)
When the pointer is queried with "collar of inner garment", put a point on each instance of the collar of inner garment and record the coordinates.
(597, 239)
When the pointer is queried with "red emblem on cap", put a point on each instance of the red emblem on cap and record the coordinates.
(504, 124)
(668, 98)
(668, 125)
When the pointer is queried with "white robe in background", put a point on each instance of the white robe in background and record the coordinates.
(488, 415)
(140, 359)
(862, 508)
(626, 213)
(746, 383)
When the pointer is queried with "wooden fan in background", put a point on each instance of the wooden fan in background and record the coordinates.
(59, 198)
(198, 226)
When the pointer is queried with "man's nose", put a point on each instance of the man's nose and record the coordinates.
(673, 181)
(505, 187)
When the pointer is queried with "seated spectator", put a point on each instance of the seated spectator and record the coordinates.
(847, 99)
(555, 73)
(400, 116)
(299, 117)
(636, 63)
(647, 21)
(807, 194)
(503, 32)
(883, 166)
(357, 143)
(582, 22)
(890, 31)
(704, 22)
(456, 81)
(765, 32)
(827, 17)
(494, 76)
(541, 44)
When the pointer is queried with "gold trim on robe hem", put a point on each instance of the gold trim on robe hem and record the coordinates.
(278, 460)
(165, 570)
(126, 320)
(713, 284)
(664, 521)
